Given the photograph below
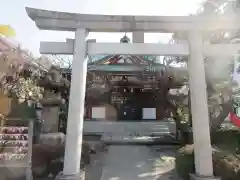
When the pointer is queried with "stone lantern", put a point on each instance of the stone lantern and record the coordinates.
(51, 100)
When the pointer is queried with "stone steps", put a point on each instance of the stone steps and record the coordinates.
(142, 127)
(138, 140)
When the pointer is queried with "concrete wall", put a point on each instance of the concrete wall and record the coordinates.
(143, 128)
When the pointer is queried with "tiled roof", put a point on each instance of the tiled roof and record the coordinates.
(125, 67)
(120, 59)
(122, 63)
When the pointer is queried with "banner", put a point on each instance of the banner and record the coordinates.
(235, 113)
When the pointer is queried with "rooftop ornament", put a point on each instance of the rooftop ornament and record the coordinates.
(125, 39)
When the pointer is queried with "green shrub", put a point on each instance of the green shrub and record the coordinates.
(185, 161)
(227, 139)
(225, 165)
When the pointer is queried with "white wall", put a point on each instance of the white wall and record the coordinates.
(149, 113)
(98, 112)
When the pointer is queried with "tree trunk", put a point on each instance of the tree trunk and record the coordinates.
(215, 122)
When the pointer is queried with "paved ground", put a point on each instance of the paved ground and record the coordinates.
(131, 162)
(126, 162)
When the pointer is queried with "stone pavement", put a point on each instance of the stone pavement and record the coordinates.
(126, 162)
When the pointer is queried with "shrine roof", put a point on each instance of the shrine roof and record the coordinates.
(123, 63)
(120, 59)
(116, 64)
(124, 68)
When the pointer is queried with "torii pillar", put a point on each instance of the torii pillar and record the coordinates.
(72, 158)
(138, 37)
(199, 108)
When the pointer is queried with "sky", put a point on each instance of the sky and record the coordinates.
(13, 13)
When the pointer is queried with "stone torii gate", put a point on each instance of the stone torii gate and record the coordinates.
(81, 24)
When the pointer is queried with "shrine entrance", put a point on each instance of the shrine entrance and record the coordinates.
(130, 83)
(196, 49)
(125, 97)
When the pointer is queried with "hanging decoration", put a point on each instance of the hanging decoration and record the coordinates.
(8, 156)
(125, 39)
(13, 129)
(14, 136)
(13, 144)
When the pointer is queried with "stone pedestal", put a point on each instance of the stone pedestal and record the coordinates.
(196, 177)
(52, 139)
(80, 176)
